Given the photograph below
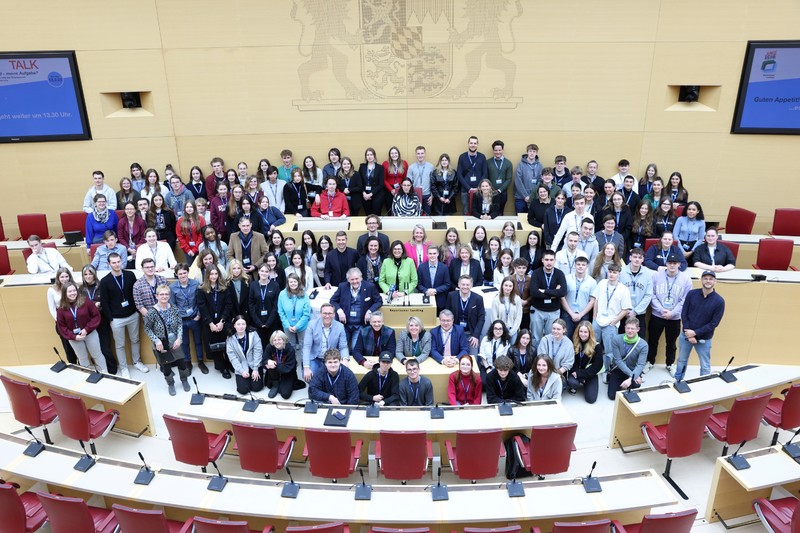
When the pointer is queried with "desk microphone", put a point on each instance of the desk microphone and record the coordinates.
(437, 412)
(34, 448)
(505, 409)
(217, 482)
(739, 462)
(363, 491)
(515, 489)
(291, 488)
(145, 475)
(197, 398)
(592, 484)
(439, 491)
(95, 376)
(86, 461)
(251, 404)
(792, 449)
(61, 365)
(726, 376)
(310, 407)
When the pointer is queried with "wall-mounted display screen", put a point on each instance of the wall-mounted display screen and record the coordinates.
(769, 92)
(41, 98)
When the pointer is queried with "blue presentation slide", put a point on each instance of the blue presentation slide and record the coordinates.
(37, 97)
(773, 90)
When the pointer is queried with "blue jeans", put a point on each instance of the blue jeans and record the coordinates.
(541, 324)
(703, 349)
(520, 206)
(605, 335)
(426, 209)
(317, 365)
(192, 326)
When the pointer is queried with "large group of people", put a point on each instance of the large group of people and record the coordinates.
(570, 307)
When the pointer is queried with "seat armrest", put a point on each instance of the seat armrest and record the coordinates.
(188, 526)
(108, 525)
(429, 447)
(225, 434)
(451, 454)
(617, 526)
(357, 449)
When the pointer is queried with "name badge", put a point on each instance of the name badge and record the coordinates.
(547, 301)
(191, 243)
(264, 312)
(299, 207)
(76, 331)
(353, 314)
(669, 302)
(246, 261)
(189, 313)
(396, 185)
(498, 182)
(222, 208)
(368, 188)
(171, 337)
(463, 324)
(330, 213)
(446, 192)
(125, 303)
(473, 179)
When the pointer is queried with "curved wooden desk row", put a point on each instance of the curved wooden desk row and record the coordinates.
(658, 402)
(625, 496)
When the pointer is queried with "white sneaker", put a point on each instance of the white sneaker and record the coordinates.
(141, 367)
(647, 368)
(671, 370)
(122, 371)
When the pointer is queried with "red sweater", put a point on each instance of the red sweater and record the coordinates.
(339, 205)
(457, 395)
(88, 319)
(392, 181)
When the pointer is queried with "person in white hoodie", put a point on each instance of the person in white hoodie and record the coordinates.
(99, 187)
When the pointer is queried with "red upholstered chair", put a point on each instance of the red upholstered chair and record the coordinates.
(192, 444)
(93, 249)
(73, 221)
(21, 513)
(418, 190)
(784, 413)
(26, 252)
(469, 208)
(330, 527)
(679, 209)
(595, 526)
(680, 522)
(2, 230)
(740, 221)
(260, 450)
(507, 529)
(650, 242)
(28, 409)
(786, 222)
(682, 436)
(741, 422)
(476, 454)
(5, 262)
(33, 224)
(403, 455)
(330, 453)
(780, 516)
(734, 247)
(72, 515)
(207, 525)
(549, 449)
(148, 520)
(774, 254)
(79, 423)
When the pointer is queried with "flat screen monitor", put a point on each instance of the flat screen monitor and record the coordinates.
(769, 91)
(41, 98)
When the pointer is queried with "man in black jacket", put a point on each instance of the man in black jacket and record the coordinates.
(502, 385)
(468, 312)
(338, 261)
(548, 286)
(116, 297)
(381, 385)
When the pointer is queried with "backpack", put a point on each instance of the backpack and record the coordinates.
(514, 467)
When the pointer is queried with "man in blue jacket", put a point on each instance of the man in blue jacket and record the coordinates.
(323, 334)
(434, 278)
(448, 341)
(469, 312)
(472, 169)
(701, 314)
(338, 385)
(355, 300)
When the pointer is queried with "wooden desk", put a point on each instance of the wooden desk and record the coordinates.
(733, 491)
(626, 496)
(126, 396)
(658, 402)
(290, 420)
(395, 315)
(76, 255)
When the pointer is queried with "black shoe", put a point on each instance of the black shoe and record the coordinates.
(573, 391)
(189, 368)
(226, 374)
(203, 367)
(273, 392)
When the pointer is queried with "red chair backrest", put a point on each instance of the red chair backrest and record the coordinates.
(207, 525)
(745, 417)
(2, 230)
(93, 249)
(26, 252)
(5, 262)
(796, 521)
(733, 246)
(404, 454)
(330, 453)
(189, 440)
(790, 412)
(685, 431)
(72, 415)
(786, 222)
(418, 190)
(33, 224)
(596, 526)
(73, 221)
(680, 522)
(740, 220)
(551, 448)
(679, 209)
(11, 509)
(148, 520)
(650, 242)
(258, 447)
(23, 402)
(478, 453)
(774, 254)
(330, 527)
(468, 208)
(66, 515)
(507, 529)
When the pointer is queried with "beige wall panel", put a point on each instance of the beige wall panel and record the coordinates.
(725, 20)
(122, 71)
(80, 25)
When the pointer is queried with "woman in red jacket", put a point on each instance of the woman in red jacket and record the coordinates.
(77, 319)
(130, 232)
(464, 387)
(394, 170)
(188, 230)
(331, 203)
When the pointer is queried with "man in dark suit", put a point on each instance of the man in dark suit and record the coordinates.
(434, 278)
(372, 222)
(373, 340)
(448, 341)
(355, 300)
(338, 261)
(468, 310)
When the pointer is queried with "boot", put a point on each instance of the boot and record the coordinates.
(184, 374)
(171, 385)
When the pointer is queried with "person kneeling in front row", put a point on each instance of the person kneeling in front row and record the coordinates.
(502, 385)
(280, 367)
(338, 385)
(245, 354)
(629, 353)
